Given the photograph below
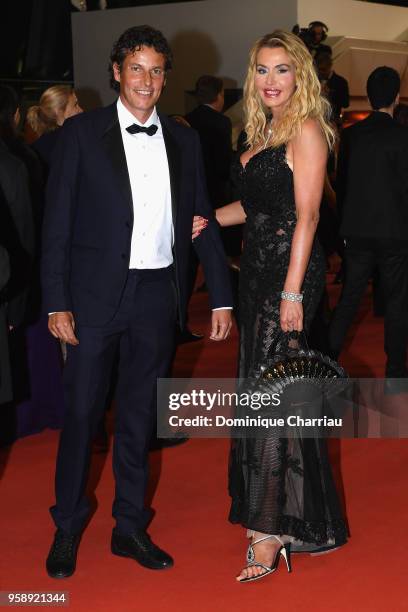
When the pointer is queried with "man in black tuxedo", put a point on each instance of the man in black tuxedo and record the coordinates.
(122, 192)
(373, 197)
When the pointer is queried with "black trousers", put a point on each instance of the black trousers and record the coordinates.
(140, 338)
(361, 259)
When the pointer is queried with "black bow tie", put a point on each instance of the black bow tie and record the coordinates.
(137, 129)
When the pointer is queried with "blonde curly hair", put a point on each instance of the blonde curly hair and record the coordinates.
(306, 101)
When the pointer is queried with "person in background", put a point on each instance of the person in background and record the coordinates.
(318, 34)
(6, 393)
(56, 104)
(401, 117)
(10, 118)
(401, 114)
(372, 189)
(215, 131)
(187, 335)
(335, 89)
(313, 37)
(334, 86)
(180, 119)
(17, 232)
(17, 242)
(35, 355)
(20, 201)
(9, 134)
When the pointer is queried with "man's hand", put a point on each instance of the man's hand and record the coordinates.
(62, 325)
(221, 323)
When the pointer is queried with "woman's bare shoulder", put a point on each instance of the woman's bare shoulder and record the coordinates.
(310, 135)
(311, 128)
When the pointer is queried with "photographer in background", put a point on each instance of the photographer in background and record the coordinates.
(313, 37)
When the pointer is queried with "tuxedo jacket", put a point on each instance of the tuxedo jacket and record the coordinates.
(372, 180)
(215, 132)
(88, 219)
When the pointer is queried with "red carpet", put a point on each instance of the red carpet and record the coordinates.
(191, 501)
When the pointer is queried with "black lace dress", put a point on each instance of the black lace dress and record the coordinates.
(278, 485)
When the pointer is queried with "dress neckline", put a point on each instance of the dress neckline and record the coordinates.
(243, 168)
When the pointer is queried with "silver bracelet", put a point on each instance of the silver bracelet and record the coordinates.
(292, 297)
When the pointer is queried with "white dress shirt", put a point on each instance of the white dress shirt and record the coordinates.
(146, 157)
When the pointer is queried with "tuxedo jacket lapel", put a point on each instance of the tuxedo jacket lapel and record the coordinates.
(174, 159)
(113, 144)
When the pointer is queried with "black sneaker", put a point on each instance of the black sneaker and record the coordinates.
(139, 546)
(61, 560)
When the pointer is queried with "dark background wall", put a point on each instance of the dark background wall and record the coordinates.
(36, 37)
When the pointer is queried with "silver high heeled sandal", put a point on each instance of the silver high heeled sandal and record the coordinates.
(283, 551)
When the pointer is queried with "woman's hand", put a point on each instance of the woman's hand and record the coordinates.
(291, 316)
(199, 223)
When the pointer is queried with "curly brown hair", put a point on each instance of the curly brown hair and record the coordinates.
(133, 39)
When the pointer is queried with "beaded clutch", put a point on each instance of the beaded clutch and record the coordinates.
(286, 366)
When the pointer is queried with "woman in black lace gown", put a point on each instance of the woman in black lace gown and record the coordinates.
(282, 488)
